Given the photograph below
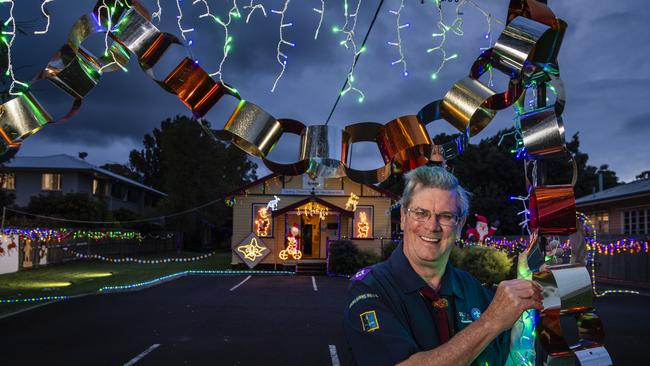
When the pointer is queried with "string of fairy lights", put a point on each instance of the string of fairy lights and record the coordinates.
(351, 14)
(142, 261)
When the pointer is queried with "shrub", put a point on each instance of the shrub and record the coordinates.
(346, 258)
(489, 266)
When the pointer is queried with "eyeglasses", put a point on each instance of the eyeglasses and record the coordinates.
(422, 215)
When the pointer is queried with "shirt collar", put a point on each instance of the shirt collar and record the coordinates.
(410, 281)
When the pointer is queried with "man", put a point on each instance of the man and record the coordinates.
(415, 308)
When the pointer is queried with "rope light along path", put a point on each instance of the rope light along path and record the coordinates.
(591, 247)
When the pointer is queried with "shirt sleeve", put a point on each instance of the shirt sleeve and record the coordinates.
(374, 333)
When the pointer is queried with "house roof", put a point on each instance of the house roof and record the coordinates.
(67, 162)
(243, 189)
(329, 205)
(637, 187)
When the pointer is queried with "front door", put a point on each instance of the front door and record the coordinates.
(310, 233)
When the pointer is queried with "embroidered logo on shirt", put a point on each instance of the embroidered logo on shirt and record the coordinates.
(464, 318)
(369, 321)
(476, 313)
(362, 297)
(361, 274)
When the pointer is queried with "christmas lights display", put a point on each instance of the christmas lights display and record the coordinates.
(251, 250)
(58, 235)
(362, 226)
(141, 261)
(351, 204)
(263, 222)
(312, 208)
(291, 250)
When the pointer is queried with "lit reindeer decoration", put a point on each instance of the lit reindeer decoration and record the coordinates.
(273, 204)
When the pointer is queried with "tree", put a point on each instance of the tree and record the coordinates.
(180, 159)
(73, 206)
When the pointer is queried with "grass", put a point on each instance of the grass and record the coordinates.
(88, 276)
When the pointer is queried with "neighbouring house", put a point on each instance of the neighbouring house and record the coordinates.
(621, 210)
(32, 176)
(279, 220)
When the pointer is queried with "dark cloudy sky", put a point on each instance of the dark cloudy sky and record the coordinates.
(604, 64)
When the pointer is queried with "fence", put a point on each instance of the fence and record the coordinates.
(35, 253)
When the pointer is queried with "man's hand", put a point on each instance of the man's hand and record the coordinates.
(511, 299)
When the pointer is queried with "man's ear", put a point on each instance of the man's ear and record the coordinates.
(402, 218)
(461, 225)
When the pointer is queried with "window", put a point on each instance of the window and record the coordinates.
(363, 223)
(262, 221)
(636, 222)
(8, 181)
(51, 182)
(601, 222)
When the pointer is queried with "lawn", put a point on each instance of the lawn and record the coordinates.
(88, 276)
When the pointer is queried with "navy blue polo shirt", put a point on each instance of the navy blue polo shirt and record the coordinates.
(386, 320)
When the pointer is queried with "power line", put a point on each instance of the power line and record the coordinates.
(116, 222)
(356, 58)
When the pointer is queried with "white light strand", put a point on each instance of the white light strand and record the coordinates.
(12, 33)
(252, 10)
(46, 15)
(158, 13)
(455, 27)
(525, 212)
(349, 42)
(279, 53)
(179, 19)
(398, 44)
(109, 28)
(320, 11)
(227, 39)
(488, 35)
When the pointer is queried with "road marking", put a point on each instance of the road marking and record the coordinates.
(313, 282)
(146, 352)
(241, 283)
(334, 356)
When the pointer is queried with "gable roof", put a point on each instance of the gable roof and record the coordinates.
(67, 162)
(242, 189)
(331, 206)
(637, 187)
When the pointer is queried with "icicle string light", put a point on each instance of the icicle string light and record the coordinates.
(348, 42)
(525, 212)
(141, 261)
(233, 13)
(321, 12)
(108, 29)
(252, 10)
(179, 20)
(158, 13)
(46, 15)
(399, 26)
(280, 56)
(10, 68)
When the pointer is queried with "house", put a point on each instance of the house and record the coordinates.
(31, 176)
(281, 220)
(620, 210)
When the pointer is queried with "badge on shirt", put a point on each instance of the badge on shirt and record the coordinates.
(369, 321)
(476, 313)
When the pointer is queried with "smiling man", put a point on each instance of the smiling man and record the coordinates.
(415, 308)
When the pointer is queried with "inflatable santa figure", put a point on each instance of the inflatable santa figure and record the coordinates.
(481, 231)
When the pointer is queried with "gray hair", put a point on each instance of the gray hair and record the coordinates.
(435, 177)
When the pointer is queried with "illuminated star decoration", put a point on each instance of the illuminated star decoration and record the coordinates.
(252, 250)
(348, 42)
(282, 61)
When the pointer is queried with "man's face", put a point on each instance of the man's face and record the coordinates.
(428, 243)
